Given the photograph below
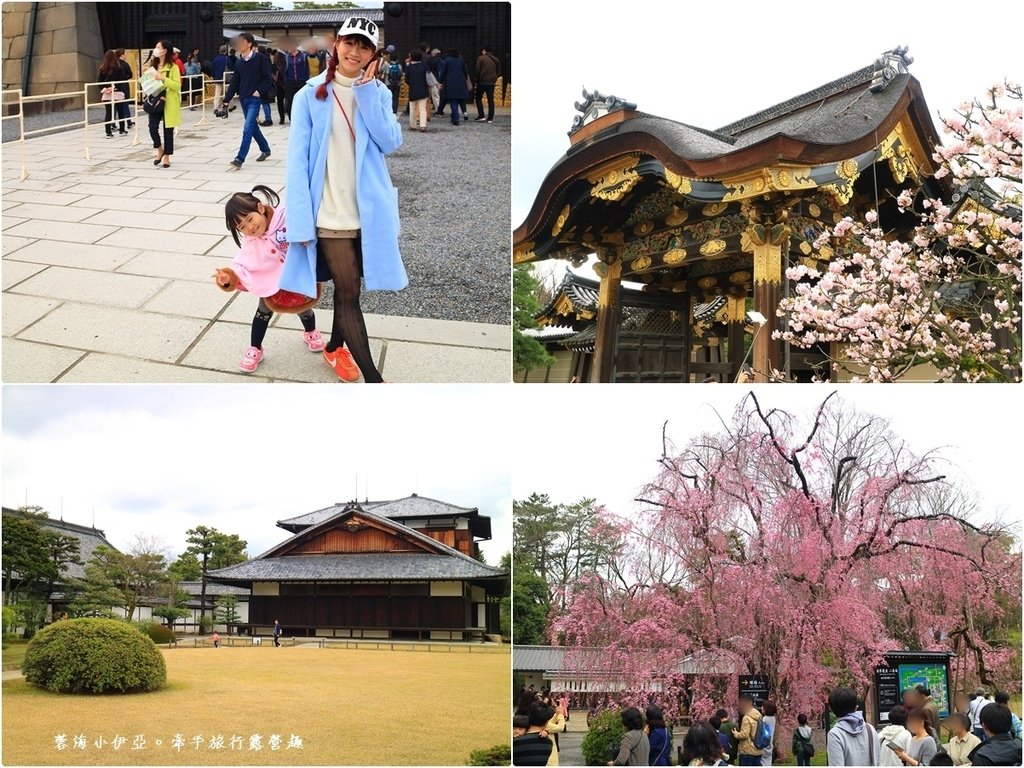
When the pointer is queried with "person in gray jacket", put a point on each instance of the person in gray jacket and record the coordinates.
(635, 748)
(851, 741)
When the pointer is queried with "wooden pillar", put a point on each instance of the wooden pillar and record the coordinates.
(608, 305)
(688, 304)
(736, 312)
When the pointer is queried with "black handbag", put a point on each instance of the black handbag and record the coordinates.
(153, 105)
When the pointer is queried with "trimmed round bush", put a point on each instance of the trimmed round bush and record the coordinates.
(94, 656)
(158, 633)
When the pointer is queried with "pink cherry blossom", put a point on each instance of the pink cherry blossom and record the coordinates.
(802, 551)
(882, 303)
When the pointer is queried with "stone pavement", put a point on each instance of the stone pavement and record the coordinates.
(106, 267)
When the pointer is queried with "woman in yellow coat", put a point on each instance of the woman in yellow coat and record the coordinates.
(167, 72)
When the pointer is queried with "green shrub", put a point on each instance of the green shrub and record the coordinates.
(93, 656)
(604, 735)
(10, 620)
(499, 754)
(158, 633)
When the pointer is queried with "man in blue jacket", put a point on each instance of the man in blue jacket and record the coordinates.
(296, 73)
(220, 66)
(251, 80)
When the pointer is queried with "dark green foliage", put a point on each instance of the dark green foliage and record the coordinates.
(213, 550)
(529, 607)
(94, 656)
(499, 754)
(527, 352)
(225, 610)
(604, 735)
(33, 556)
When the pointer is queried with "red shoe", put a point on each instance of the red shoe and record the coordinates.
(343, 364)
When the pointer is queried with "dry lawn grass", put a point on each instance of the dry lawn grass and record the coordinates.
(350, 707)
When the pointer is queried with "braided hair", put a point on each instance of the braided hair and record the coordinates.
(332, 64)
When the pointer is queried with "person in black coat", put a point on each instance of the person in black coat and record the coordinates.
(419, 93)
(1002, 748)
(452, 75)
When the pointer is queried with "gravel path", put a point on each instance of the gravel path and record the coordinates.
(454, 193)
(454, 190)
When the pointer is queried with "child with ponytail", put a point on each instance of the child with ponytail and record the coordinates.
(257, 269)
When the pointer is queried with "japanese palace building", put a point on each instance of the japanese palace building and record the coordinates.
(405, 568)
(706, 222)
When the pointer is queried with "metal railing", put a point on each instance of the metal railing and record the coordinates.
(197, 85)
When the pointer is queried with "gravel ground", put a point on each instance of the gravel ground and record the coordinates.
(52, 120)
(454, 193)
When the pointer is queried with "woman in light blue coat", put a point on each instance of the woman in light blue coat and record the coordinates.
(341, 208)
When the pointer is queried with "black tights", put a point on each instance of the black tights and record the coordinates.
(261, 322)
(342, 261)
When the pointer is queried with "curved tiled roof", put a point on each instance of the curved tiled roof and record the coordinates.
(409, 506)
(440, 562)
(358, 567)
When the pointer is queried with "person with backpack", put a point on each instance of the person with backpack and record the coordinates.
(391, 74)
(748, 752)
(658, 737)
(767, 725)
(852, 741)
(803, 743)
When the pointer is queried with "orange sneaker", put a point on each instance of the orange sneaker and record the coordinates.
(343, 364)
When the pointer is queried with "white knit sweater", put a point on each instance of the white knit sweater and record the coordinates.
(339, 208)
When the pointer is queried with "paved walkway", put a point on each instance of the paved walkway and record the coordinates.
(107, 261)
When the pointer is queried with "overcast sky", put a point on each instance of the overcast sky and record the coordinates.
(604, 442)
(161, 459)
(711, 64)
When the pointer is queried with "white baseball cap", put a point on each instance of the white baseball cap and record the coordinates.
(360, 25)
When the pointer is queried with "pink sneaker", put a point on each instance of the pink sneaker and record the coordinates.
(253, 356)
(314, 341)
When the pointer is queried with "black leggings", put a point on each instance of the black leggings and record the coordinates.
(342, 257)
(261, 321)
(154, 133)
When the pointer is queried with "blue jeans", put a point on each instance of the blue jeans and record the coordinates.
(750, 760)
(454, 104)
(266, 111)
(251, 129)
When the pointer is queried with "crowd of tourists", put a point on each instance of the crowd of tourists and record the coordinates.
(982, 730)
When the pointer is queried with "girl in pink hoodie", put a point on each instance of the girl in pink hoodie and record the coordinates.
(257, 269)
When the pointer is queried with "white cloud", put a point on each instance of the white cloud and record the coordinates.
(160, 460)
(708, 65)
(607, 446)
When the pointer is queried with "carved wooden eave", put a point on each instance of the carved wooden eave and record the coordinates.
(625, 158)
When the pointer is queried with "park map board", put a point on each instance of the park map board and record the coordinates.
(891, 680)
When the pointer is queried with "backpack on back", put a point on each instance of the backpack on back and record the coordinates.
(763, 734)
(394, 71)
